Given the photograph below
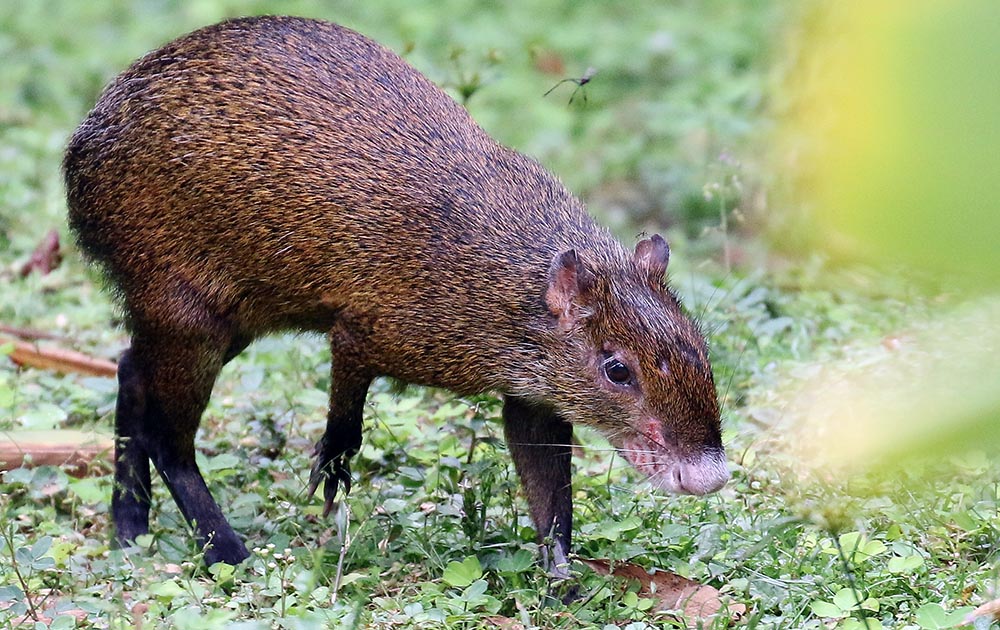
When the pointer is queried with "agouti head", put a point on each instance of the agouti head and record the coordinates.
(638, 366)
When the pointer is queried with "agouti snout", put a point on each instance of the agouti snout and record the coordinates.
(271, 174)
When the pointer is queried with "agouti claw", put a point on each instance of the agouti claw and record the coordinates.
(334, 474)
(342, 472)
(337, 474)
(317, 475)
(311, 490)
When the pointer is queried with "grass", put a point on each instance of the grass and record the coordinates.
(435, 533)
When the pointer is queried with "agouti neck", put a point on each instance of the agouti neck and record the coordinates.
(483, 294)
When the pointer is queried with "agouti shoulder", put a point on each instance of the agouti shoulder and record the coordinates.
(274, 173)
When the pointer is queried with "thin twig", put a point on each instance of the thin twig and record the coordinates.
(8, 534)
(344, 534)
(851, 582)
(29, 334)
(57, 359)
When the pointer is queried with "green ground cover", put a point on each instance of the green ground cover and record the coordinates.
(434, 533)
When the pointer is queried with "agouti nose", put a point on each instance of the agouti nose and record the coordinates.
(702, 476)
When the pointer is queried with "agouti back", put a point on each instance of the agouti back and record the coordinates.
(274, 173)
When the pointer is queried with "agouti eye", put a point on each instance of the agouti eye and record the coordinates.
(617, 372)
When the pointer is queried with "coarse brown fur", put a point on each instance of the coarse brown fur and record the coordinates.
(269, 174)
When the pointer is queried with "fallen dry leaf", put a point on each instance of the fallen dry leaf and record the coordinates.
(506, 623)
(549, 62)
(46, 256)
(138, 611)
(669, 590)
(45, 611)
(77, 452)
(989, 609)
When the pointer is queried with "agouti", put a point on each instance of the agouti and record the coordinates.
(276, 173)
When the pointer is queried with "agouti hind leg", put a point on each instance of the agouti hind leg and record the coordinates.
(167, 384)
(539, 442)
(132, 490)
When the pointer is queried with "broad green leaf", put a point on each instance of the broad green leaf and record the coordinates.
(61, 550)
(464, 573)
(43, 416)
(352, 577)
(850, 542)
(826, 609)
(222, 461)
(63, 622)
(41, 547)
(413, 609)
(167, 590)
(871, 549)
(858, 549)
(90, 490)
(222, 572)
(630, 599)
(520, 561)
(313, 398)
(475, 590)
(10, 593)
(6, 396)
(905, 564)
(934, 617)
(393, 506)
(966, 521)
(846, 599)
(612, 530)
(408, 403)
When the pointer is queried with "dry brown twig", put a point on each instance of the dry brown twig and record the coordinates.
(30, 354)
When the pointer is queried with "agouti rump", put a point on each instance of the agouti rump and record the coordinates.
(275, 173)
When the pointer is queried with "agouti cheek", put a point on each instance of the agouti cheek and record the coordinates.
(650, 427)
(654, 429)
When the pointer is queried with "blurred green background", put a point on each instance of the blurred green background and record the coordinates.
(671, 95)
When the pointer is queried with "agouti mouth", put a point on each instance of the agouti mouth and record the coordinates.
(703, 474)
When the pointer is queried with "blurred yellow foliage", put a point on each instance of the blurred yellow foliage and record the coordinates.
(900, 102)
(897, 109)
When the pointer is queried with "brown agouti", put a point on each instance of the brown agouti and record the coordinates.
(275, 173)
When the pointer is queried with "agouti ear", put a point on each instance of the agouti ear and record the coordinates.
(570, 284)
(652, 255)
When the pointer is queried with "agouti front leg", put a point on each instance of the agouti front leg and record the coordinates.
(342, 438)
(539, 442)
